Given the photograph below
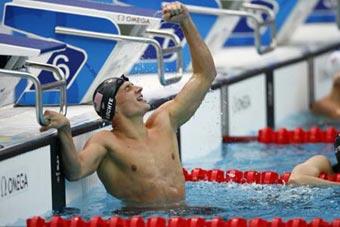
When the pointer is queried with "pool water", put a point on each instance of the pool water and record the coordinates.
(208, 200)
(307, 120)
(228, 200)
(261, 157)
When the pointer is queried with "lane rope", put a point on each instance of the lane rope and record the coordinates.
(156, 221)
(241, 177)
(198, 174)
(285, 136)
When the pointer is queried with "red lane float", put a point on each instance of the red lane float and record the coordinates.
(237, 176)
(137, 221)
(284, 136)
(298, 135)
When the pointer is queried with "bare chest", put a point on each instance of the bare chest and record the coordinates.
(152, 164)
(157, 154)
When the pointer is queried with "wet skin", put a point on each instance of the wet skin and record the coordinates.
(146, 171)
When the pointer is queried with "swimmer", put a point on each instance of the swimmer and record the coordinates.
(330, 105)
(138, 162)
(308, 173)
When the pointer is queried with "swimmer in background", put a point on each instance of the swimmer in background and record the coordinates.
(139, 162)
(329, 106)
(308, 172)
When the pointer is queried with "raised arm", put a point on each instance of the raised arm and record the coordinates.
(76, 164)
(190, 97)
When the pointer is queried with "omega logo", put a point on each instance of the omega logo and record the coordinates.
(132, 19)
(10, 185)
(241, 103)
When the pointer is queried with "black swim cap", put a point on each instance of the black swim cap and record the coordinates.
(104, 100)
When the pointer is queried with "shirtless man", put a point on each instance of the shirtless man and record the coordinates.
(308, 173)
(139, 162)
(330, 105)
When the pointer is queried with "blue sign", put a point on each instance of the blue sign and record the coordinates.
(80, 74)
(322, 13)
(69, 61)
(2, 4)
(243, 34)
(148, 62)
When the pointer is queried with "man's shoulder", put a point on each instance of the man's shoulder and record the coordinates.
(104, 132)
(160, 116)
(102, 136)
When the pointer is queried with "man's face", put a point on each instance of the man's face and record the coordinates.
(130, 101)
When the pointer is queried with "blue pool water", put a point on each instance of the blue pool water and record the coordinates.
(261, 157)
(307, 120)
(230, 200)
(208, 199)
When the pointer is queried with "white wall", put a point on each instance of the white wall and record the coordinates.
(322, 81)
(247, 106)
(31, 194)
(202, 133)
(290, 90)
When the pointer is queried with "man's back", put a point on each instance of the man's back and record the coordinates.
(145, 171)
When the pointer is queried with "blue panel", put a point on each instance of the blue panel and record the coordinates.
(71, 59)
(73, 62)
(2, 3)
(41, 45)
(243, 34)
(322, 13)
(105, 7)
(321, 19)
(205, 22)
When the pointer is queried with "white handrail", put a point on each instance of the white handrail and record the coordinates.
(175, 49)
(61, 84)
(258, 24)
(114, 37)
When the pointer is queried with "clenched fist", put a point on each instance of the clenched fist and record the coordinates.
(55, 120)
(175, 12)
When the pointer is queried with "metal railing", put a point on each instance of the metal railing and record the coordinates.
(250, 7)
(273, 3)
(60, 83)
(159, 51)
(177, 48)
(258, 24)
